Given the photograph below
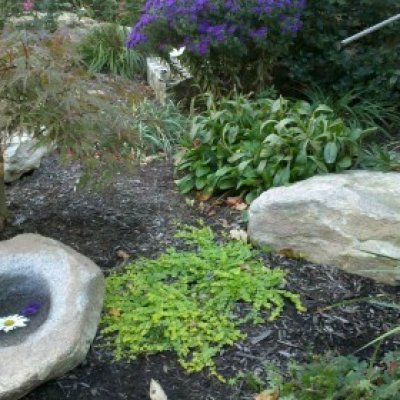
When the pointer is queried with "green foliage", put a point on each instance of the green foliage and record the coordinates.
(339, 378)
(248, 146)
(380, 158)
(8, 8)
(371, 63)
(103, 50)
(160, 127)
(125, 12)
(185, 300)
(52, 9)
(355, 105)
(44, 91)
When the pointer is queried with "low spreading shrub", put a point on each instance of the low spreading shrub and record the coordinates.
(186, 301)
(337, 378)
(103, 50)
(228, 43)
(247, 146)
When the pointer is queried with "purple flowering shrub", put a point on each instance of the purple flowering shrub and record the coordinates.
(227, 41)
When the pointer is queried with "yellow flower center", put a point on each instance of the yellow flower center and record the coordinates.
(9, 322)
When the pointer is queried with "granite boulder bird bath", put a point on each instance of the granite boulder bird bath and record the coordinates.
(50, 304)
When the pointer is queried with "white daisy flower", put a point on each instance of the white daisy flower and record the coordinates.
(12, 322)
(175, 53)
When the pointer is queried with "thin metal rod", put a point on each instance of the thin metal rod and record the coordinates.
(369, 30)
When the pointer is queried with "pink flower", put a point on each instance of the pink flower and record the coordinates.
(27, 5)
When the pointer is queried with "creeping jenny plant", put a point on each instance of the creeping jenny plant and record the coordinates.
(186, 301)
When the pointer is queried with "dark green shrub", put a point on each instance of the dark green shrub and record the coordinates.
(371, 63)
(103, 50)
(248, 146)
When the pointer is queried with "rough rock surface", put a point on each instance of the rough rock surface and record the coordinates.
(349, 220)
(21, 155)
(70, 288)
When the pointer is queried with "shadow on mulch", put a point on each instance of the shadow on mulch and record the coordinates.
(137, 215)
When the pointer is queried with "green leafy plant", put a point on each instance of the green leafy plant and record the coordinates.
(103, 50)
(338, 378)
(160, 128)
(356, 105)
(248, 146)
(186, 301)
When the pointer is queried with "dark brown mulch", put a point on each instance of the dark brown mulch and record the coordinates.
(137, 214)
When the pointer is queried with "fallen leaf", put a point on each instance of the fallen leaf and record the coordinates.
(196, 143)
(240, 206)
(245, 267)
(114, 312)
(232, 201)
(290, 253)
(122, 254)
(189, 202)
(236, 203)
(202, 196)
(238, 234)
(268, 395)
(156, 391)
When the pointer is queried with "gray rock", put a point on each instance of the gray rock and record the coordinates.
(21, 155)
(70, 289)
(349, 220)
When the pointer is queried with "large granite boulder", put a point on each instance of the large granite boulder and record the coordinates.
(61, 293)
(349, 220)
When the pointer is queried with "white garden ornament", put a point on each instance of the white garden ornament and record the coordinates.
(175, 53)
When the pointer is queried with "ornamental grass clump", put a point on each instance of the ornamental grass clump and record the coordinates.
(187, 301)
(228, 42)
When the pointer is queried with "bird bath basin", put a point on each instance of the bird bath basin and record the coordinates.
(23, 295)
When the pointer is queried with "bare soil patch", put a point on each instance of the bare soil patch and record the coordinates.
(137, 214)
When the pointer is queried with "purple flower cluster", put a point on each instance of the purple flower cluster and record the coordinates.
(203, 24)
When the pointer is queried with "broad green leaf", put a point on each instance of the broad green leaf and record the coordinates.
(330, 152)
(223, 171)
(201, 171)
(345, 162)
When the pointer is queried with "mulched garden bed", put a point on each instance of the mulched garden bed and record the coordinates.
(137, 214)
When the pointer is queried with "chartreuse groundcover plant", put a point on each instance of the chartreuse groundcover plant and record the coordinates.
(186, 301)
(228, 42)
(247, 146)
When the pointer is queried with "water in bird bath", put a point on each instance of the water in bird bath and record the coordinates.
(27, 296)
